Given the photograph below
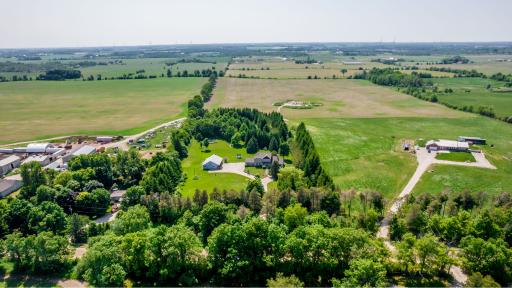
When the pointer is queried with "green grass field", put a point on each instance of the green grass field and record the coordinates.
(202, 180)
(151, 66)
(366, 153)
(41, 109)
(456, 156)
(473, 92)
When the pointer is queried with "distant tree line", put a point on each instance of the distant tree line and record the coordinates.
(60, 75)
(459, 72)
(197, 73)
(457, 59)
(392, 77)
(308, 60)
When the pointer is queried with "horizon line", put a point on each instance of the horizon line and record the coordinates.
(257, 43)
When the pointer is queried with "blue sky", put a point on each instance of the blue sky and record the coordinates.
(73, 23)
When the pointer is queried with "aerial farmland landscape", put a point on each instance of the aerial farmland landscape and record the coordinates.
(237, 144)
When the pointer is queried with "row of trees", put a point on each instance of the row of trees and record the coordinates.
(197, 73)
(391, 77)
(306, 158)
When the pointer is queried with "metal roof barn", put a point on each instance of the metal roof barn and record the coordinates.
(38, 147)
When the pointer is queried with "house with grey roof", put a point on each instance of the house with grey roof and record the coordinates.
(263, 160)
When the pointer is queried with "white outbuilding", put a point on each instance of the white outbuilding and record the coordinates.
(41, 159)
(213, 162)
(84, 150)
(9, 163)
(38, 147)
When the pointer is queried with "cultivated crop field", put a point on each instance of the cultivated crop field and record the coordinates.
(474, 92)
(39, 109)
(287, 69)
(339, 98)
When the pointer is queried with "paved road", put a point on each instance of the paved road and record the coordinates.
(109, 217)
(425, 160)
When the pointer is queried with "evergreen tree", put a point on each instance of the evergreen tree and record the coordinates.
(274, 170)
(274, 144)
(179, 147)
(252, 146)
(255, 201)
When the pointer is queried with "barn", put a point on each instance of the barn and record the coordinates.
(213, 162)
(473, 140)
(41, 159)
(84, 150)
(38, 147)
(9, 163)
(446, 145)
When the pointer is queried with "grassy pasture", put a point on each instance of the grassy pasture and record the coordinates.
(366, 153)
(339, 98)
(473, 92)
(41, 109)
(192, 166)
(151, 66)
(433, 73)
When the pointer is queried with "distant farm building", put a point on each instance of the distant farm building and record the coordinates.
(84, 150)
(213, 162)
(38, 147)
(263, 159)
(447, 145)
(7, 186)
(41, 159)
(104, 139)
(9, 163)
(473, 140)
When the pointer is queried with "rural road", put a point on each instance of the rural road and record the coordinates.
(425, 160)
(123, 144)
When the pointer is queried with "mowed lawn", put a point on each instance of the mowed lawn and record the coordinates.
(474, 92)
(40, 109)
(197, 178)
(366, 153)
(339, 98)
